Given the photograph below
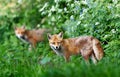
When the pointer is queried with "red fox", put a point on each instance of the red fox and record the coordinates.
(87, 46)
(30, 36)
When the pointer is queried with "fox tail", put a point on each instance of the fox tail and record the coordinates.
(97, 49)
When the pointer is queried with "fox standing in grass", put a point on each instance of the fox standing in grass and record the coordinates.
(87, 46)
(31, 36)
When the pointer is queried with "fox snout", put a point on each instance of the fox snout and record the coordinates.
(57, 47)
(23, 37)
(19, 35)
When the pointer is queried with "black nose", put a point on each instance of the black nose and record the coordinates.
(22, 37)
(57, 47)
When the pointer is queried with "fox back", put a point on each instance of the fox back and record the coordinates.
(87, 46)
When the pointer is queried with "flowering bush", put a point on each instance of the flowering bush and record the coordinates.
(98, 18)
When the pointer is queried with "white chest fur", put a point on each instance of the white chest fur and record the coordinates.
(24, 39)
(58, 52)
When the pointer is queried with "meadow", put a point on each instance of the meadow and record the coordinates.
(98, 18)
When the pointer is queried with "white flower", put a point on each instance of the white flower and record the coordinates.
(85, 25)
(105, 36)
(56, 1)
(19, 1)
(115, 1)
(46, 4)
(72, 5)
(68, 0)
(118, 5)
(49, 14)
(71, 17)
(113, 31)
(84, 2)
(77, 2)
(59, 17)
(81, 16)
(117, 15)
(78, 23)
(38, 25)
(116, 29)
(65, 9)
(53, 8)
(97, 23)
(53, 19)
(43, 13)
(85, 10)
(60, 10)
(109, 6)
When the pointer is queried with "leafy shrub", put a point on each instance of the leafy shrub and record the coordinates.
(98, 18)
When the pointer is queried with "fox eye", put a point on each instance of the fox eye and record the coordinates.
(23, 32)
(19, 32)
(58, 42)
(53, 42)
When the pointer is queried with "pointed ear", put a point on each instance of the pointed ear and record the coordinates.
(60, 34)
(15, 27)
(23, 27)
(49, 36)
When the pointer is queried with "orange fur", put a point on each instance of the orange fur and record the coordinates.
(31, 36)
(87, 46)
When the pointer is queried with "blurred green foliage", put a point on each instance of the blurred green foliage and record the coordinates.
(99, 18)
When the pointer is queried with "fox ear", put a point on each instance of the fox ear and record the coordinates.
(49, 36)
(23, 26)
(60, 34)
(15, 27)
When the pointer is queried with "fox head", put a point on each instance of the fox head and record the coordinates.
(20, 32)
(55, 41)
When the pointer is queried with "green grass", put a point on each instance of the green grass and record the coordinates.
(42, 62)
